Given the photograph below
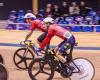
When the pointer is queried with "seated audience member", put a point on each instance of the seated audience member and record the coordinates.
(64, 9)
(48, 10)
(74, 9)
(55, 11)
(84, 10)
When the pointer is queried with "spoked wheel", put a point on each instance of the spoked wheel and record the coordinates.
(86, 69)
(22, 58)
(3, 72)
(40, 70)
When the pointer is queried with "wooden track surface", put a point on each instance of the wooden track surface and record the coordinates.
(83, 39)
(91, 39)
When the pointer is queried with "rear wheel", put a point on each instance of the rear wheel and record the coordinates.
(22, 58)
(86, 68)
(39, 69)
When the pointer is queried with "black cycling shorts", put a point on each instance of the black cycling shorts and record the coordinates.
(41, 37)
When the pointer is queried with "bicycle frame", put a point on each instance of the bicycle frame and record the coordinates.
(29, 46)
(76, 67)
(69, 55)
(57, 64)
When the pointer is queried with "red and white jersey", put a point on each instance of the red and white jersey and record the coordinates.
(55, 30)
(38, 24)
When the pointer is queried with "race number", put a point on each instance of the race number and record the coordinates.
(67, 34)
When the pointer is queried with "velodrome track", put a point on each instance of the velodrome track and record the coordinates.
(88, 47)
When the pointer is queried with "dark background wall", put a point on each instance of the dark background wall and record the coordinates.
(7, 5)
(91, 3)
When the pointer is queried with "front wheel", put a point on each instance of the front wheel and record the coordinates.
(41, 70)
(22, 58)
(86, 69)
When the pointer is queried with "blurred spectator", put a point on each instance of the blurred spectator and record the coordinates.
(64, 9)
(55, 11)
(74, 9)
(48, 10)
(84, 10)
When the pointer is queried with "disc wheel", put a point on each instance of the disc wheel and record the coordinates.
(87, 70)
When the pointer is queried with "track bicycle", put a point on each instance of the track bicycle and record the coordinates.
(76, 69)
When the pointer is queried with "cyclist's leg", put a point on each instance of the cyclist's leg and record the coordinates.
(59, 50)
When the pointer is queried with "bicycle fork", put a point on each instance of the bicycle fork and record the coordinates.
(25, 53)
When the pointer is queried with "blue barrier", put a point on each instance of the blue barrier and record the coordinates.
(87, 29)
(75, 28)
(97, 28)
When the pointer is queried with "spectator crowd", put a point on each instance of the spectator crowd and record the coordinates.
(73, 13)
(66, 13)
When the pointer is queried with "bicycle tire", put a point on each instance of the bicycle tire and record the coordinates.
(25, 63)
(3, 72)
(88, 68)
(40, 60)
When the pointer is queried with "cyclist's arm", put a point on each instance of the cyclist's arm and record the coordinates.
(47, 39)
(28, 35)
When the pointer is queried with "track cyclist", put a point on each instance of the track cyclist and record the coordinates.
(67, 36)
(37, 24)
